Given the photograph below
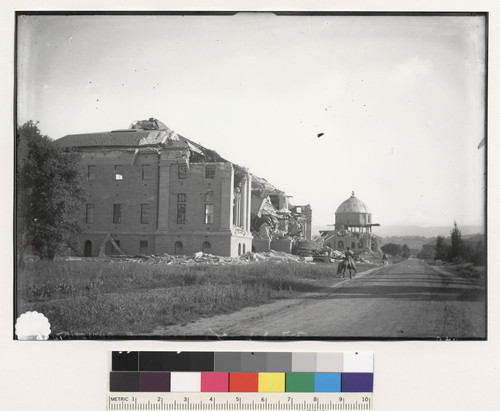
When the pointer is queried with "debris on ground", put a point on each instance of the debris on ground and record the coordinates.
(201, 258)
(310, 253)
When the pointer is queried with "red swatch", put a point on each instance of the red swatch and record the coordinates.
(244, 382)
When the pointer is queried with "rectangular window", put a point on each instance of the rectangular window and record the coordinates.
(210, 171)
(89, 213)
(118, 172)
(90, 173)
(181, 213)
(146, 171)
(144, 213)
(181, 208)
(182, 171)
(117, 213)
(143, 247)
(209, 213)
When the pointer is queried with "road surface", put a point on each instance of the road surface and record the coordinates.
(405, 301)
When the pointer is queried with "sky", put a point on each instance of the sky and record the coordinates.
(399, 100)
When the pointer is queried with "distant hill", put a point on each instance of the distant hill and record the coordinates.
(469, 239)
(414, 230)
(412, 241)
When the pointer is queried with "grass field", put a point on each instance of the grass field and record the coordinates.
(106, 298)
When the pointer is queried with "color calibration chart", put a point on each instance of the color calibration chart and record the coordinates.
(161, 380)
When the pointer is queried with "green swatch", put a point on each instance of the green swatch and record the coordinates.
(299, 382)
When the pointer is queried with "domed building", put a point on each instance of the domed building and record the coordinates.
(353, 228)
(353, 214)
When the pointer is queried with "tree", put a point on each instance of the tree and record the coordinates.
(392, 249)
(457, 249)
(405, 251)
(442, 249)
(49, 194)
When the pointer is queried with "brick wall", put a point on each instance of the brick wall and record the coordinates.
(129, 243)
(159, 189)
(224, 244)
(196, 187)
(130, 192)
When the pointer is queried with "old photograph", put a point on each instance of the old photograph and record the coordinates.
(251, 175)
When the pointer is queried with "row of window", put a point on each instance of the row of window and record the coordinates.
(182, 170)
(117, 213)
(146, 208)
(206, 247)
(340, 245)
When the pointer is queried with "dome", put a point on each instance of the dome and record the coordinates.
(352, 205)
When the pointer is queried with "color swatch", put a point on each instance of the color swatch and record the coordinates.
(267, 372)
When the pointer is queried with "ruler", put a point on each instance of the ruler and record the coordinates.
(239, 401)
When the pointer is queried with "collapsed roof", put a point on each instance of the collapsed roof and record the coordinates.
(263, 187)
(142, 134)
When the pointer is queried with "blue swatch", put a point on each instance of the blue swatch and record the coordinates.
(327, 382)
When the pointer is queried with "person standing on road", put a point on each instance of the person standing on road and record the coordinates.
(349, 255)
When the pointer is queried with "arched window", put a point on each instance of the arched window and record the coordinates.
(340, 245)
(206, 247)
(244, 248)
(353, 245)
(239, 249)
(87, 249)
(178, 248)
(360, 244)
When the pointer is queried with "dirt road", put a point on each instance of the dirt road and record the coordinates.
(406, 300)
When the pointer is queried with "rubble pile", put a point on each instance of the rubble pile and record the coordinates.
(306, 252)
(369, 257)
(201, 258)
(272, 216)
(307, 248)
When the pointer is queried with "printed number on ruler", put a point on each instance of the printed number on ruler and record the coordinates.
(240, 401)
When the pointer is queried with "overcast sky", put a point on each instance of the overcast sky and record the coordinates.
(400, 100)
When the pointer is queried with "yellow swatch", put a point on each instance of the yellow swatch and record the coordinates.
(271, 382)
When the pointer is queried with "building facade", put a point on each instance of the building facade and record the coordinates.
(152, 191)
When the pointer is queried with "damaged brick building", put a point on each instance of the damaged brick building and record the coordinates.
(275, 222)
(153, 191)
(353, 228)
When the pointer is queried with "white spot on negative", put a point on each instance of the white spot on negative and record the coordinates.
(32, 326)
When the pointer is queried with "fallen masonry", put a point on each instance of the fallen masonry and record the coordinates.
(200, 258)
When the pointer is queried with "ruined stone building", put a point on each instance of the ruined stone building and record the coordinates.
(353, 228)
(275, 223)
(153, 191)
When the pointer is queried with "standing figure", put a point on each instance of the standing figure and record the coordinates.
(349, 256)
